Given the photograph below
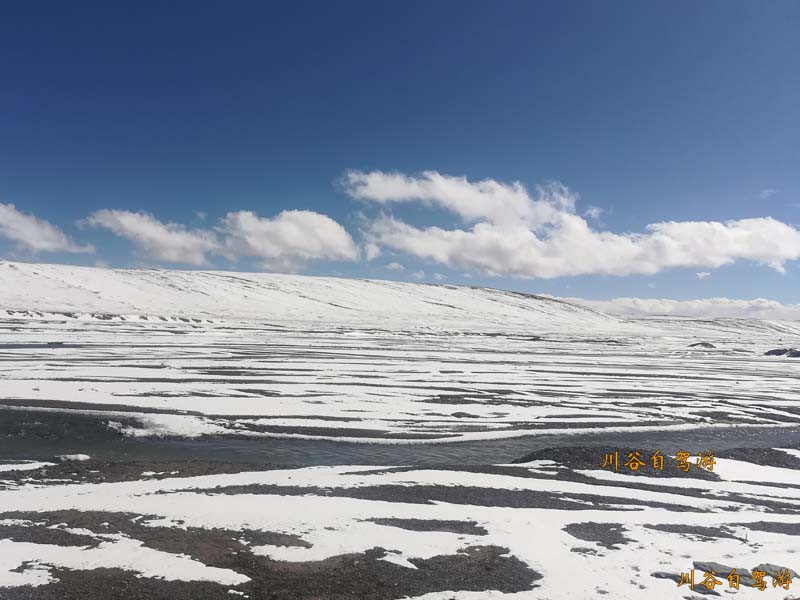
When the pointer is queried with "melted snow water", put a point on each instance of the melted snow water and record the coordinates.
(40, 435)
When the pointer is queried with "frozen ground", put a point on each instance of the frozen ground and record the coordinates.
(555, 526)
(412, 400)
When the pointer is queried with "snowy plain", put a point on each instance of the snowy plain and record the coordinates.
(203, 357)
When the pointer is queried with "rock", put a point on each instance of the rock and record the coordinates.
(771, 568)
(698, 577)
(463, 415)
(722, 571)
(790, 352)
(73, 457)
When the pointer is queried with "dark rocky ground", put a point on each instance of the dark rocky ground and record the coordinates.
(41, 434)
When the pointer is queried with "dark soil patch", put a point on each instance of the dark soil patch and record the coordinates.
(209, 546)
(430, 494)
(697, 531)
(762, 457)
(345, 577)
(463, 527)
(771, 527)
(37, 534)
(607, 535)
(112, 472)
(24, 403)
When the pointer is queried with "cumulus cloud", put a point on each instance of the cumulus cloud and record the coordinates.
(486, 200)
(759, 308)
(395, 266)
(284, 242)
(34, 234)
(702, 274)
(168, 242)
(288, 240)
(418, 274)
(509, 231)
(439, 276)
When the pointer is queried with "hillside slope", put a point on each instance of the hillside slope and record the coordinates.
(263, 296)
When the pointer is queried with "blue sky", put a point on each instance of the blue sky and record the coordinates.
(192, 112)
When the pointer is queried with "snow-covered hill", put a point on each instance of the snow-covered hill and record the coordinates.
(272, 297)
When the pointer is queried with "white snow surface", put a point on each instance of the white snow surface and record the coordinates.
(395, 386)
(126, 554)
(193, 353)
(30, 465)
(143, 293)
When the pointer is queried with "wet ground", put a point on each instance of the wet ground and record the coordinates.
(43, 434)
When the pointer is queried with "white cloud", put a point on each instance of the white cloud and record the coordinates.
(767, 193)
(34, 234)
(510, 232)
(168, 242)
(395, 266)
(418, 274)
(288, 240)
(439, 276)
(702, 274)
(284, 242)
(759, 308)
(473, 201)
(372, 251)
